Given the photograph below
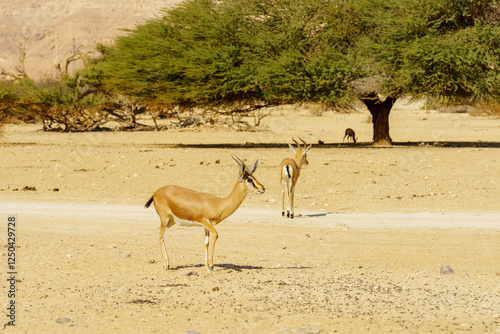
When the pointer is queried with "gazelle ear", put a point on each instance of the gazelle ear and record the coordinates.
(307, 149)
(292, 148)
(241, 171)
(254, 166)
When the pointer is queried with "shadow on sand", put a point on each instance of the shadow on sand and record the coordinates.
(451, 144)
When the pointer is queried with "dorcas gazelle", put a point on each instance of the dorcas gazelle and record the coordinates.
(350, 134)
(174, 202)
(289, 174)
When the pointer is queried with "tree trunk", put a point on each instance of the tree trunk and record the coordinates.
(380, 111)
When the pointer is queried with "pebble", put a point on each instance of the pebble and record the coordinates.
(446, 269)
(126, 256)
(189, 273)
(192, 332)
(308, 330)
(63, 320)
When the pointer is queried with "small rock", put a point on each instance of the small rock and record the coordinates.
(192, 332)
(446, 269)
(216, 288)
(126, 256)
(307, 330)
(189, 273)
(63, 320)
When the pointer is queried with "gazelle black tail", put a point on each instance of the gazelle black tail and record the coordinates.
(148, 203)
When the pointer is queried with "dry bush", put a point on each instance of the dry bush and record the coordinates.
(72, 118)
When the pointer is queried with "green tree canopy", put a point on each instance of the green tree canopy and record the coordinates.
(444, 50)
(207, 52)
(214, 52)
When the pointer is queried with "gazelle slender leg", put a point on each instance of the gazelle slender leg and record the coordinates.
(166, 222)
(289, 189)
(288, 205)
(211, 247)
(283, 197)
(207, 243)
(292, 202)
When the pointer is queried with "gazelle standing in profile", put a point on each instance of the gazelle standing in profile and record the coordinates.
(289, 174)
(206, 209)
(349, 133)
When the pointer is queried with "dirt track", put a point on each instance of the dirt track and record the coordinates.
(374, 227)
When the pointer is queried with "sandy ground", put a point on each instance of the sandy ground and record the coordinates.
(373, 228)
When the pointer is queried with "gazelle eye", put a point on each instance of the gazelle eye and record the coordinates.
(249, 181)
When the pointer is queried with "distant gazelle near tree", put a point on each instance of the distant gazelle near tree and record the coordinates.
(206, 209)
(289, 174)
(349, 133)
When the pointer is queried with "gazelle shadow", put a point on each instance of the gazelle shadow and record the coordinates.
(316, 215)
(235, 267)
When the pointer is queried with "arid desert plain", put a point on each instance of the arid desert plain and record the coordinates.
(373, 227)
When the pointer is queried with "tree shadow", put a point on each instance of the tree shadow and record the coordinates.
(321, 144)
(453, 144)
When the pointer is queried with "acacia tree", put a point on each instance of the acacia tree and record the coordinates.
(265, 52)
(447, 51)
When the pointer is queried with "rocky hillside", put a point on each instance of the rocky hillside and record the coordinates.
(55, 28)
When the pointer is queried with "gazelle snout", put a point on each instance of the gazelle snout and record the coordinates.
(258, 188)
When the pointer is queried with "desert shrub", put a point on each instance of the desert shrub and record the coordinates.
(16, 98)
(66, 105)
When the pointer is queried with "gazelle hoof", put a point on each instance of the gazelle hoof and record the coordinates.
(283, 213)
